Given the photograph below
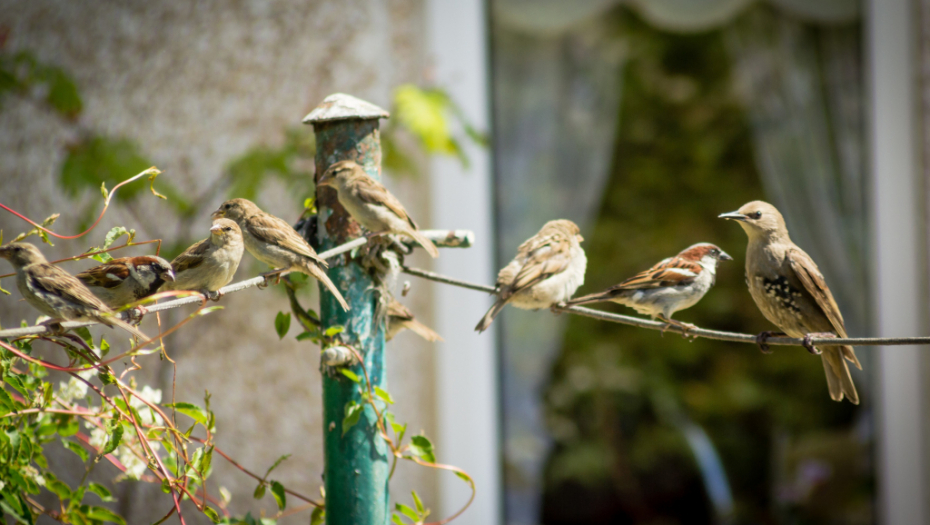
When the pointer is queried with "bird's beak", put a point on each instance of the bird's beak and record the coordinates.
(218, 214)
(5, 252)
(168, 276)
(724, 256)
(733, 215)
(216, 229)
(579, 237)
(324, 182)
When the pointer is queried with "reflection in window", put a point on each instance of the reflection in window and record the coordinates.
(642, 122)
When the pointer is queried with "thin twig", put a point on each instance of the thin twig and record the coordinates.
(693, 332)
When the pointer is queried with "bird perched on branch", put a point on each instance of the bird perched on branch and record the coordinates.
(673, 284)
(399, 318)
(127, 279)
(371, 204)
(547, 270)
(211, 263)
(55, 292)
(791, 292)
(275, 243)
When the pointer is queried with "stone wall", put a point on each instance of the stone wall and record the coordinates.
(196, 84)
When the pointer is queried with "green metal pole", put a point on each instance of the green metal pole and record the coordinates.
(357, 464)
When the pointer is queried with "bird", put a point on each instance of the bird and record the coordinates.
(791, 292)
(673, 284)
(210, 264)
(55, 292)
(399, 318)
(274, 242)
(547, 270)
(371, 204)
(125, 280)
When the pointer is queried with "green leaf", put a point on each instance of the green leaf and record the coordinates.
(318, 516)
(421, 446)
(314, 335)
(384, 395)
(84, 333)
(105, 514)
(353, 412)
(76, 448)
(280, 460)
(407, 511)
(101, 491)
(62, 92)
(212, 514)
(282, 323)
(259, 491)
(350, 374)
(57, 487)
(277, 490)
(115, 435)
(416, 500)
(333, 330)
(191, 410)
(465, 477)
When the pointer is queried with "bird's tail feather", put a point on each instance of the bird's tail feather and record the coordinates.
(599, 297)
(839, 380)
(425, 243)
(320, 275)
(422, 330)
(489, 317)
(117, 322)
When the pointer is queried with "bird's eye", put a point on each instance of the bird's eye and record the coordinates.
(756, 215)
(227, 229)
(226, 206)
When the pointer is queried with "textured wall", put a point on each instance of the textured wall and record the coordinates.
(196, 84)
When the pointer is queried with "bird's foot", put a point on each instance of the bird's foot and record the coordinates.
(809, 340)
(135, 315)
(276, 274)
(213, 296)
(54, 326)
(763, 337)
(558, 307)
(669, 322)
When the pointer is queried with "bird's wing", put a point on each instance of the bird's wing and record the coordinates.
(543, 257)
(107, 275)
(813, 281)
(401, 312)
(53, 283)
(673, 271)
(371, 191)
(191, 257)
(272, 230)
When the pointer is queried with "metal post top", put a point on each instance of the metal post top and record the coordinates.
(340, 106)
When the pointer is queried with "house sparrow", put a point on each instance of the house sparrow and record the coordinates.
(673, 284)
(55, 292)
(791, 293)
(399, 318)
(547, 270)
(127, 279)
(371, 204)
(274, 242)
(211, 263)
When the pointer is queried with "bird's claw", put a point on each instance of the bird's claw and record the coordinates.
(54, 326)
(135, 315)
(809, 341)
(213, 296)
(558, 307)
(763, 337)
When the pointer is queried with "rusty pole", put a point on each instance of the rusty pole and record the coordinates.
(357, 463)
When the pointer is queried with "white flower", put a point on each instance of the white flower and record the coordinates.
(73, 389)
(88, 374)
(31, 472)
(98, 437)
(135, 467)
(152, 395)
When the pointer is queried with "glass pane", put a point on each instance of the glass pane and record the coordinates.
(642, 126)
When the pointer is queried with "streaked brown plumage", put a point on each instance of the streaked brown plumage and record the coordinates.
(125, 280)
(547, 270)
(55, 292)
(275, 243)
(791, 292)
(400, 318)
(371, 204)
(210, 264)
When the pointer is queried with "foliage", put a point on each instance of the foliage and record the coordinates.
(23, 74)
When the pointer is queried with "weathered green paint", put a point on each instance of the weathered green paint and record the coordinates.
(357, 464)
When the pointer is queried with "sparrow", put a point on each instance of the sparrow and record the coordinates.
(791, 292)
(399, 318)
(211, 263)
(55, 292)
(547, 270)
(275, 243)
(127, 279)
(673, 284)
(371, 204)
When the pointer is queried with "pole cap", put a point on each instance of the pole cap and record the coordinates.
(340, 106)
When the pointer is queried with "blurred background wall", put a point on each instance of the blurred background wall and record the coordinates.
(196, 87)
